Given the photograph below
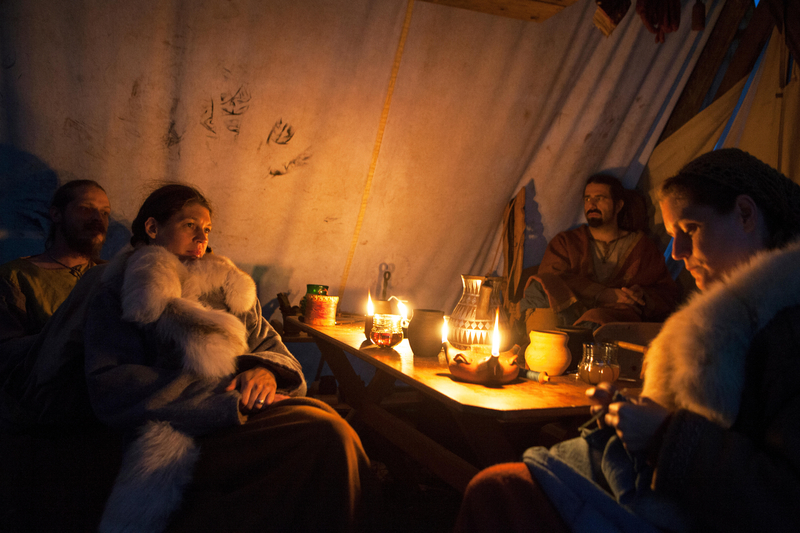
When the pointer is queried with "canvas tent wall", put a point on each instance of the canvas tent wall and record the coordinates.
(337, 138)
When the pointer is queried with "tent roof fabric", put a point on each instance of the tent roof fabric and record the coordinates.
(274, 111)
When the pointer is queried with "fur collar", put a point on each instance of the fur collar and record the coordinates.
(158, 288)
(697, 362)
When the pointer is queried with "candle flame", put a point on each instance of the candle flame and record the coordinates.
(496, 334)
(444, 330)
(370, 305)
(403, 309)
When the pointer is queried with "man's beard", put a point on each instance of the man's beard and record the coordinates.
(87, 246)
(595, 221)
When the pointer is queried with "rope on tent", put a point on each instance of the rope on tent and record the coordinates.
(377, 148)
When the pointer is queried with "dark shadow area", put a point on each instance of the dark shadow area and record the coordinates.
(119, 235)
(535, 241)
(28, 185)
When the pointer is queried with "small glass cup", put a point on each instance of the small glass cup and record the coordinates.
(387, 330)
(593, 367)
(609, 356)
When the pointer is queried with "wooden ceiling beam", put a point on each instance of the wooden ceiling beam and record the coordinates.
(536, 10)
(707, 66)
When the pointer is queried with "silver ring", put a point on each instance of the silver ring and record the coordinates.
(260, 401)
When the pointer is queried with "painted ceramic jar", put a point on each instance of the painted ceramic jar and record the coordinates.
(472, 320)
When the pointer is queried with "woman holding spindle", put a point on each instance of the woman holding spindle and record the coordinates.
(713, 443)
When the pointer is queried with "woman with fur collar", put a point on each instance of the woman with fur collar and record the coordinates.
(713, 443)
(179, 357)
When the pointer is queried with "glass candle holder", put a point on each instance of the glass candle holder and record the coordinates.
(381, 307)
(387, 330)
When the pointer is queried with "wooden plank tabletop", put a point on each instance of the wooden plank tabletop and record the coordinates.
(521, 399)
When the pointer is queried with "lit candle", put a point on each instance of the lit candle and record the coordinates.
(444, 342)
(401, 307)
(496, 334)
(368, 319)
(403, 312)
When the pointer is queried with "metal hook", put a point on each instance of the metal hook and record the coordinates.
(386, 276)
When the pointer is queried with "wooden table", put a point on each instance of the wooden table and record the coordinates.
(479, 411)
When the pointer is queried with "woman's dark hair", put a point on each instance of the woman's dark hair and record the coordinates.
(162, 204)
(62, 198)
(717, 178)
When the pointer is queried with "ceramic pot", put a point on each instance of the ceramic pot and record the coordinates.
(425, 332)
(480, 366)
(548, 352)
(472, 320)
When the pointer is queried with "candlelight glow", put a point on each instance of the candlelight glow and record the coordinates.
(370, 305)
(403, 310)
(444, 331)
(496, 334)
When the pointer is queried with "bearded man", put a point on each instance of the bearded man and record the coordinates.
(32, 288)
(601, 272)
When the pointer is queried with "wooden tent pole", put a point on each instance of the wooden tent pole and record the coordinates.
(707, 66)
(753, 39)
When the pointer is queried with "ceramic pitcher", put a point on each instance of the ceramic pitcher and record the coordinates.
(472, 320)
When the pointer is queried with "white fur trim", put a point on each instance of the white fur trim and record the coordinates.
(697, 362)
(155, 470)
(153, 277)
(215, 271)
(210, 339)
(157, 287)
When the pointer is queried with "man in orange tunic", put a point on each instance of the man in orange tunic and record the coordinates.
(601, 272)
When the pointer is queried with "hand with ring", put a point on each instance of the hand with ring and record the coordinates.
(257, 387)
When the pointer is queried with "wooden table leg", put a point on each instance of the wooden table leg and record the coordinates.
(448, 466)
(381, 385)
(350, 384)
